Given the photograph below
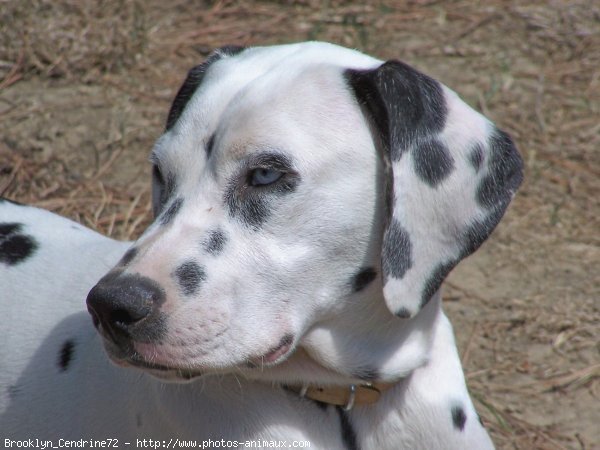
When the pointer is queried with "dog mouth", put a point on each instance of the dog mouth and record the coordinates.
(275, 355)
(130, 358)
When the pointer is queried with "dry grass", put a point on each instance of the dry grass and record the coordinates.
(84, 90)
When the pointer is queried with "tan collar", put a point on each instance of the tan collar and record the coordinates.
(346, 396)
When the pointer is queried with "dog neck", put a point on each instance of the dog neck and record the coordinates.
(364, 345)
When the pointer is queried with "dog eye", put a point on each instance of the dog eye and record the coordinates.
(264, 177)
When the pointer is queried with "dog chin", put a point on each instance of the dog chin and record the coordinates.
(163, 373)
(174, 376)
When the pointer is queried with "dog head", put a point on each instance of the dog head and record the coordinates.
(300, 188)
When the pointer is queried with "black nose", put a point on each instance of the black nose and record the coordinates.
(120, 303)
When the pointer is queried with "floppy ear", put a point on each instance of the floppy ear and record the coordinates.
(449, 173)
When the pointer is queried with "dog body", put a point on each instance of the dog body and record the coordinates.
(309, 202)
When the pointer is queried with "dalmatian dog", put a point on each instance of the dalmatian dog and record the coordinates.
(309, 201)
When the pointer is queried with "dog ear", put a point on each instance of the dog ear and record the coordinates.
(194, 79)
(449, 174)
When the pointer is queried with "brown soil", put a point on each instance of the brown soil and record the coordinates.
(85, 88)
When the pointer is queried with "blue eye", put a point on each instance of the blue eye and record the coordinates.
(263, 177)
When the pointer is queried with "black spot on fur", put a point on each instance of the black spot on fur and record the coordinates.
(459, 418)
(479, 231)
(171, 211)
(405, 105)
(215, 242)
(15, 247)
(505, 173)
(65, 355)
(435, 281)
(252, 210)
(9, 228)
(189, 276)
(396, 251)
(128, 256)
(476, 157)
(432, 161)
(209, 145)
(403, 313)
(363, 278)
(348, 433)
(193, 80)
(252, 204)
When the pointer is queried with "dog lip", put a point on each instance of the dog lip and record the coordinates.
(275, 354)
(158, 370)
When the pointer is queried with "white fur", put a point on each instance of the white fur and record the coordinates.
(289, 277)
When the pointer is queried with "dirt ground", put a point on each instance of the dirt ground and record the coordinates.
(85, 88)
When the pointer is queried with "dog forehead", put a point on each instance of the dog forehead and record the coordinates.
(266, 67)
(240, 90)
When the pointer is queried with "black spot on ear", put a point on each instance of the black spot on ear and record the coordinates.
(209, 145)
(15, 247)
(348, 433)
(128, 256)
(403, 313)
(435, 281)
(480, 421)
(215, 242)
(171, 211)
(193, 80)
(406, 105)
(432, 161)
(505, 172)
(459, 418)
(476, 157)
(479, 231)
(396, 251)
(363, 278)
(65, 355)
(189, 276)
